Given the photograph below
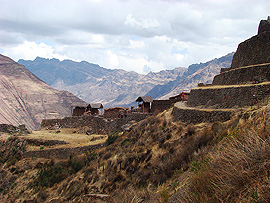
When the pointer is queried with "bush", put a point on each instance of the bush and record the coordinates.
(190, 130)
(111, 139)
(52, 173)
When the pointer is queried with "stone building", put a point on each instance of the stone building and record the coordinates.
(94, 108)
(116, 112)
(78, 108)
(144, 104)
(82, 108)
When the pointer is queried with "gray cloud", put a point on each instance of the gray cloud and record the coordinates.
(147, 31)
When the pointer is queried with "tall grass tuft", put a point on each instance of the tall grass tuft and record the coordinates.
(239, 171)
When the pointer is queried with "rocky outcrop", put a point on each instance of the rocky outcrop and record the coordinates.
(254, 50)
(25, 99)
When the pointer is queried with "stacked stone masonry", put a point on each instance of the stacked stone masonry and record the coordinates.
(96, 125)
(254, 50)
(250, 74)
(230, 96)
(200, 116)
(247, 82)
(161, 105)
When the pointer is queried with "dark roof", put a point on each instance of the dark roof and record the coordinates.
(145, 99)
(79, 104)
(96, 106)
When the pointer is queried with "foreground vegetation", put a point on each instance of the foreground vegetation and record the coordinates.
(157, 160)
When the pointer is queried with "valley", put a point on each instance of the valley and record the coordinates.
(209, 145)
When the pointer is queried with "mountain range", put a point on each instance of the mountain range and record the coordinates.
(116, 87)
(25, 99)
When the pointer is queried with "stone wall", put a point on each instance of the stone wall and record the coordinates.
(200, 116)
(229, 96)
(253, 74)
(254, 50)
(96, 125)
(161, 105)
(116, 112)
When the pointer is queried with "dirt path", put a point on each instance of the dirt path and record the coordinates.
(182, 105)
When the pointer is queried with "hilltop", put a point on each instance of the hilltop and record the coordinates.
(25, 99)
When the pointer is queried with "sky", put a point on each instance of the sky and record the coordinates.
(134, 35)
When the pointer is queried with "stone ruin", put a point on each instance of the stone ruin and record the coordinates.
(246, 82)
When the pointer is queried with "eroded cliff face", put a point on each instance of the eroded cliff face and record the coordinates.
(254, 50)
(25, 99)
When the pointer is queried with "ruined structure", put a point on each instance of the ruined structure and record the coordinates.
(149, 105)
(116, 112)
(247, 82)
(254, 50)
(82, 108)
(78, 108)
(94, 124)
(145, 106)
(94, 108)
(180, 97)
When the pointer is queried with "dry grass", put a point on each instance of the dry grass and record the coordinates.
(67, 135)
(4, 136)
(238, 171)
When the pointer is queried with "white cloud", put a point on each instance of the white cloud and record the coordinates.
(141, 23)
(113, 59)
(133, 35)
(30, 50)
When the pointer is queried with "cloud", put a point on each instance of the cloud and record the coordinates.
(133, 35)
(30, 50)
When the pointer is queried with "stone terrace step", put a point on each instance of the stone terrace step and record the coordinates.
(249, 74)
(194, 115)
(230, 96)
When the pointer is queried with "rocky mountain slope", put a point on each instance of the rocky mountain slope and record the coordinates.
(195, 74)
(93, 83)
(25, 99)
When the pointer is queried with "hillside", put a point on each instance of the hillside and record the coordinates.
(161, 159)
(195, 74)
(25, 99)
(93, 83)
(189, 153)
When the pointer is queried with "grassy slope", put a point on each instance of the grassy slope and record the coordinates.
(159, 160)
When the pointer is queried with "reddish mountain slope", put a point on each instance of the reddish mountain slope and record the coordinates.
(25, 99)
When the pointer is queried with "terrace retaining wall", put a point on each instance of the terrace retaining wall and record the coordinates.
(230, 96)
(95, 124)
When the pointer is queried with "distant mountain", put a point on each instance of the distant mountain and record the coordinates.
(25, 99)
(93, 83)
(195, 74)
